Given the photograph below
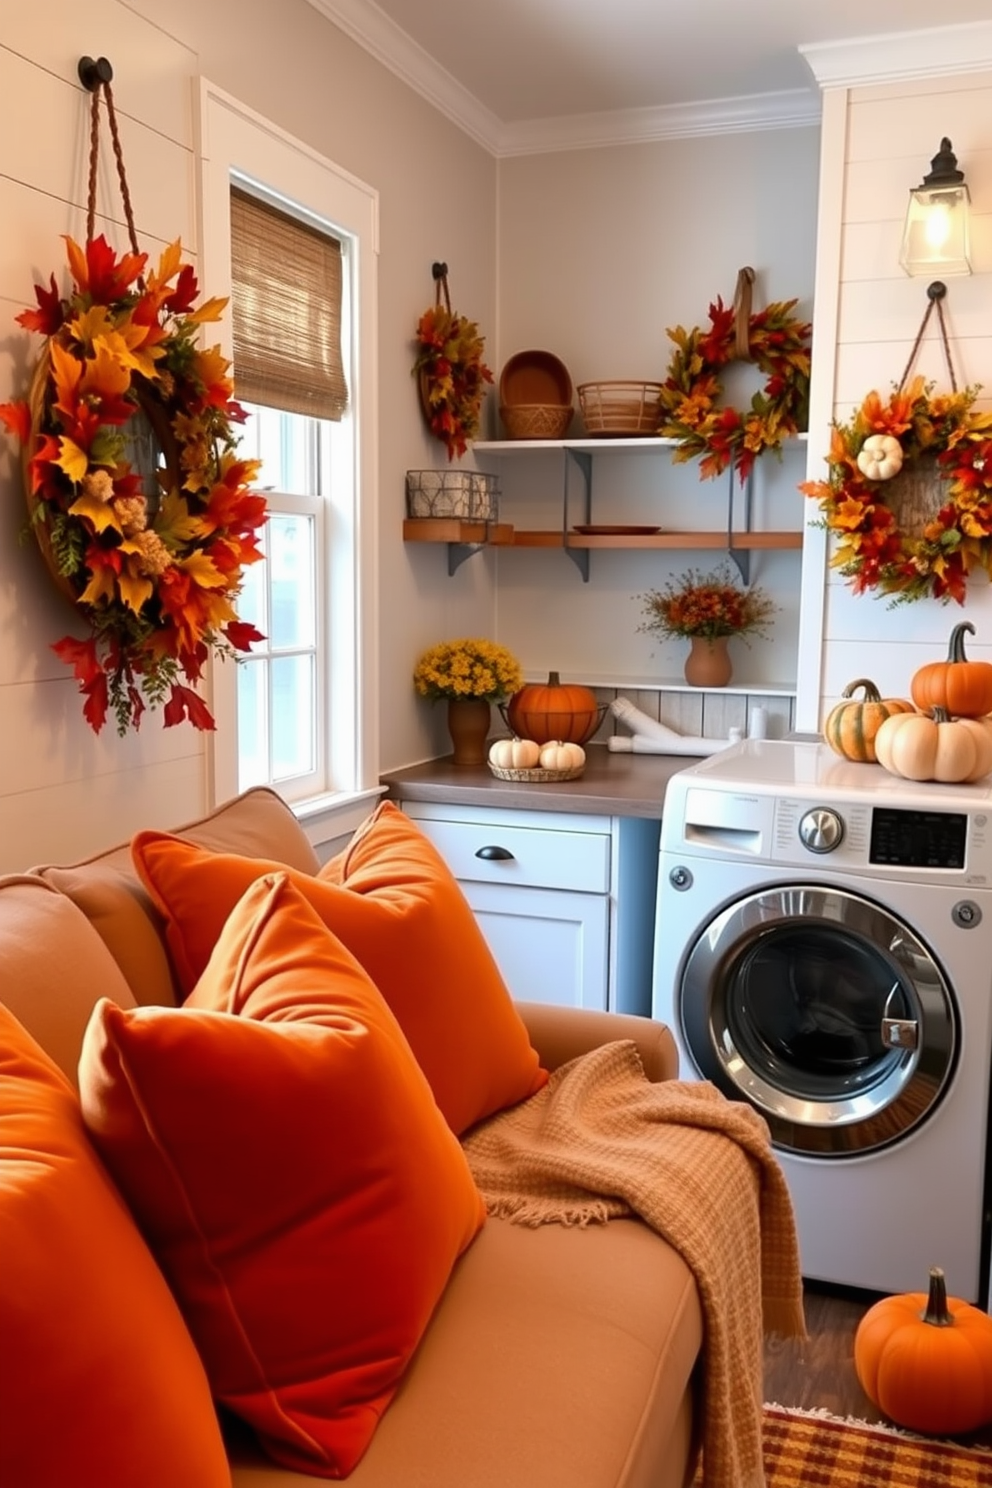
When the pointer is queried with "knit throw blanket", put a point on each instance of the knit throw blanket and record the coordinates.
(599, 1141)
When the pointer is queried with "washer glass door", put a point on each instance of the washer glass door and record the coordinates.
(825, 1012)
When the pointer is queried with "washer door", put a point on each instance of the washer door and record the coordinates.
(825, 1012)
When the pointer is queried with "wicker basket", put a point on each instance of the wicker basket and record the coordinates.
(535, 420)
(620, 409)
(536, 776)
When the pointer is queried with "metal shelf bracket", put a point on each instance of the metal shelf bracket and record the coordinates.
(583, 459)
(740, 556)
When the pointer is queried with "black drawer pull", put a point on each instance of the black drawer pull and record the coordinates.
(495, 854)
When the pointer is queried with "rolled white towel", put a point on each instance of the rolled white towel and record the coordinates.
(640, 723)
(671, 744)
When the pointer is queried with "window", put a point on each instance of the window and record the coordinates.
(300, 712)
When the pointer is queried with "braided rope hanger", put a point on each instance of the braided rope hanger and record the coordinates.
(935, 295)
(96, 77)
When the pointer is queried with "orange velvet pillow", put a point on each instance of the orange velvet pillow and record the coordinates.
(286, 1159)
(395, 904)
(100, 1382)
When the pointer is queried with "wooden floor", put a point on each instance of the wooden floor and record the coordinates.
(819, 1374)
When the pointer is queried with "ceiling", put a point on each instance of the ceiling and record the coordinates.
(513, 71)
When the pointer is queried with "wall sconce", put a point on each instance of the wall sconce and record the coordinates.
(936, 236)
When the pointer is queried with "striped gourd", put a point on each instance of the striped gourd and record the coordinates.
(851, 726)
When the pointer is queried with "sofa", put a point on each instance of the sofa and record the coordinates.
(136, 1262)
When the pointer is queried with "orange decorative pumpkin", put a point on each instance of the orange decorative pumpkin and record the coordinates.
(961, 686)
(851, 726)
(925, 1360)
(554, 711)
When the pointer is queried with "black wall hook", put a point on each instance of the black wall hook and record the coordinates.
(93, 73)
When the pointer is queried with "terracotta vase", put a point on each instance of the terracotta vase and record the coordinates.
(708, 663)
(468, 725)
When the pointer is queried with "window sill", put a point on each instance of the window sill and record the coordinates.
(328, 818)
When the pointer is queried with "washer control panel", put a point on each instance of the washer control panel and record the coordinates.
(851, 832)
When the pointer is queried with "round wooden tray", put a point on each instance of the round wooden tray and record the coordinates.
(535, 776)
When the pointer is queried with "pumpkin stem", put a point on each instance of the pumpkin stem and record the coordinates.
(955, 649)
(937, 1312)
(554, 679)
(939, 714)
(872, 694)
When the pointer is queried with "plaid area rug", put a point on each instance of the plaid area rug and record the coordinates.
(812, 1451)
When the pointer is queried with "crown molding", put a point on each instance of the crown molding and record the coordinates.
(797, 107)
(367, 25)
(901, 56)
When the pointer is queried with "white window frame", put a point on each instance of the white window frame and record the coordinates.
(234, 142)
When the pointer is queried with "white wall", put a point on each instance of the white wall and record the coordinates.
(877, 142)
(63, 791)
(600, 251)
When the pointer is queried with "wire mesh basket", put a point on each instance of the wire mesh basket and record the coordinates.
(470, 494)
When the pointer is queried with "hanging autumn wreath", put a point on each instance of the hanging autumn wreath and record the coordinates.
(689, 402)
(153, 561)
(451, 370)
(916, 548)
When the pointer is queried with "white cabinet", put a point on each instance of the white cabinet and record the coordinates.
(546, 889)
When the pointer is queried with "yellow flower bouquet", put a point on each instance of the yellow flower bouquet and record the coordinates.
(468, 668)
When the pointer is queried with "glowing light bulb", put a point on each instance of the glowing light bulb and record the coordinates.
(938, 225)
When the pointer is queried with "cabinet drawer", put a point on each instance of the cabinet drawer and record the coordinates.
(537, 859)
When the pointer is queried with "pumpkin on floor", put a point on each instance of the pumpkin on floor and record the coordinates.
(961, 686)
(925, 1360)
(851, 726)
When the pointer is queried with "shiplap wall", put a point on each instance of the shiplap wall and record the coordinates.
(876, 143)
(63, 790)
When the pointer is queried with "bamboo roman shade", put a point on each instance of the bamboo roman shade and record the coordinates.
(286, 311)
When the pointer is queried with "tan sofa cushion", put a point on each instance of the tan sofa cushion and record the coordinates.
(53, 967)
(107, 890)
(558, 1357)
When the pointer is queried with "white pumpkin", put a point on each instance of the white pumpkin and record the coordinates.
(562, 756)
(514, 754)
(880, 457)
(931, 746)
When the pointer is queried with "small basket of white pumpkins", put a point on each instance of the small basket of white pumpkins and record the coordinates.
(943, 735)
(527, 761)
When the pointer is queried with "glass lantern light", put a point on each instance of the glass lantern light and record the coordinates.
(936, 235)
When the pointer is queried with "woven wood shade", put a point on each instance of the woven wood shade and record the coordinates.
(286, 311)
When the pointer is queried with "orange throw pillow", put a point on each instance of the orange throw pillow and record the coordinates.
(286, 1159)
(395, 904)
(100, 1382)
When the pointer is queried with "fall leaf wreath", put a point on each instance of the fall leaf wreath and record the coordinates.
(689, 402)
(452, 373)
(869, 455)
(155, 572)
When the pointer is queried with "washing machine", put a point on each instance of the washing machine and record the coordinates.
(823, 951)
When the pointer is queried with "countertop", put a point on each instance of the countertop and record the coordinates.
(611, 785)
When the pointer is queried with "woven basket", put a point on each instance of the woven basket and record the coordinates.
(536, 776)
(535, 420)
(616, 409)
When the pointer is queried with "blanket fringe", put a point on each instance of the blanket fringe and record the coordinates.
(534, 1213)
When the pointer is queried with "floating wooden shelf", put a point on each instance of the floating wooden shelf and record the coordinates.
(558, 539)
(455, 530)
